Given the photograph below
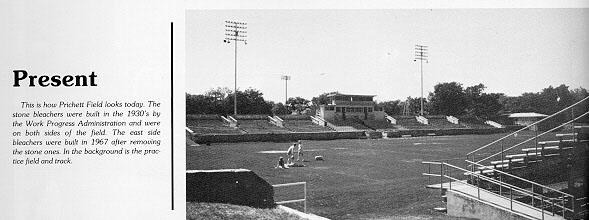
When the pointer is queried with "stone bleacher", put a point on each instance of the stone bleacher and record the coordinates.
(440, 122)
(302, 124)
(409, 122)
(259, 126)
(473, 122)
(209, 124)
(379, 124)
(350, 122)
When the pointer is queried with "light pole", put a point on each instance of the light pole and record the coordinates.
(285, 78)
(235, 31)
(421, 55)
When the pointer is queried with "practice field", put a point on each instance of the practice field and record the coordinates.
(358, 179)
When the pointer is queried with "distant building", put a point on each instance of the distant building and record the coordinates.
(527, 118)
(342, 107)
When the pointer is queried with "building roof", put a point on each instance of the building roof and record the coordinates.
(527, 115)
(339, 94)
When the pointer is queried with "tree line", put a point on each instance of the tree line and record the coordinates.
(446, 99)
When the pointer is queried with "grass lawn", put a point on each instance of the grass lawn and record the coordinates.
(359, 179)
(211, 211)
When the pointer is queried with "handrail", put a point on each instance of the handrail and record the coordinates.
(519, 178)
(546, 132)
(422, 119)
(304, 199)
(549, 200)
(502, 184)
(488, 179)
(452, 119)
(527, 127)
(391, 119)
(494, 124)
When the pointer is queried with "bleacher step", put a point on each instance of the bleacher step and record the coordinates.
(507, 161)
(492, 167)
(441, 209)
(567, 134)
(522, 155)
(540, 148)
(554, 142)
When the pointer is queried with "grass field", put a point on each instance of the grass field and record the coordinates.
(359, 179)
(212, 211)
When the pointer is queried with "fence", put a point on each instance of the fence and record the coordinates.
(304, 199)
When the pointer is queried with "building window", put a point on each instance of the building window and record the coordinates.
(369, 109)
(358, 109)
(338, 109)
(349, 109)
(329, 108)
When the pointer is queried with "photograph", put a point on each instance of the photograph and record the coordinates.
(387, 113)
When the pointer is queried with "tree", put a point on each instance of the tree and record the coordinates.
(391, 107)
(322, 99)
(251, 101)
(482, 105)
(448, 99)
(413, 106)
(298, 104)
(280, 109)
(197, 104)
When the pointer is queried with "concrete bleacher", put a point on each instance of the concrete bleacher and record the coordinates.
(409, 122)
(209, 124)
(302, 123)
(258, 124)
(473, 122)
(440, 122)
(352, 123)
(379, 124)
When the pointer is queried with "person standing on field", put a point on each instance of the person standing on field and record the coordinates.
(300, 152)
(290, 154)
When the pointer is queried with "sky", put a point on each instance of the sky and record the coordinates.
(372, 51)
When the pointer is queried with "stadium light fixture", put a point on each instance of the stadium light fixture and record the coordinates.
(421, 55)
(235, 31)
(285, 78)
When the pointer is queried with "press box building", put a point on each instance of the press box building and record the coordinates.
(343, 106)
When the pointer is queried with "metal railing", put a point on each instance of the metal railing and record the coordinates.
(304, 199)
(506, 141)
(448, 175)
(536, 137)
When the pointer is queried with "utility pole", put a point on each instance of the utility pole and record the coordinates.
(421, 55)
(235, 31)
(285, 78)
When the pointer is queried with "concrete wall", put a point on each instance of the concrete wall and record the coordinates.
(238, 186)
(459, 205)
(442, 132)
(277, 137)
(282, 137)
